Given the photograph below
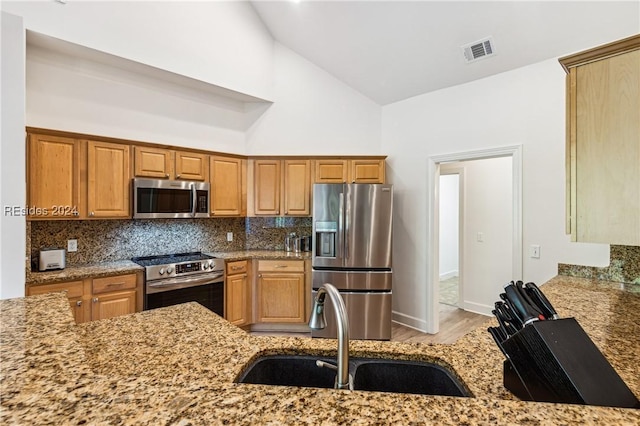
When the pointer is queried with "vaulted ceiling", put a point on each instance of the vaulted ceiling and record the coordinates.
(394, 50)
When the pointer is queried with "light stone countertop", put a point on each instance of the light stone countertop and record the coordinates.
(177, 365)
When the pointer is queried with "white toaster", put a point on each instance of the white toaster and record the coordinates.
(52, 258)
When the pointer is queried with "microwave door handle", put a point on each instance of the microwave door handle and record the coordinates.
(194, 200)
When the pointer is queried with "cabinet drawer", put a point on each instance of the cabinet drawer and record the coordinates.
(72, 288)
(118, 282)
(281, 266)
(237, 267)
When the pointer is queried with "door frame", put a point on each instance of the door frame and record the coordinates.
(433, 184)
(459, 171)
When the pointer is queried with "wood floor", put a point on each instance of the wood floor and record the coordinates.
(454, 323)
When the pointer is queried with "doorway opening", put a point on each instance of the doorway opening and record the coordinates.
(449, 232)
(495, 253)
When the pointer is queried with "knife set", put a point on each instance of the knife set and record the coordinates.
(551, 359)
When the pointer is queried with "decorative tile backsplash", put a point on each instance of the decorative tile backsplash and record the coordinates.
(624, 267)
(109, 240)
(268, 233)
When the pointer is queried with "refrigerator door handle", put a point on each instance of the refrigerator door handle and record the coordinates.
(347, 226)
(341, 232)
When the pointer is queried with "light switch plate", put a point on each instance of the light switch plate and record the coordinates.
(229, 236)
(534, 251)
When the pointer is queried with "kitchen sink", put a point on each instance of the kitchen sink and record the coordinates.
(369, 374)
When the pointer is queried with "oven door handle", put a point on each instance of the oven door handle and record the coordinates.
(182, 282)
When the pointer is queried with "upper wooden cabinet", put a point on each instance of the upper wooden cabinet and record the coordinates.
(170, 164)
(359, 170)
(603, 143)
(281, 187)
(297, 187)
(108, 179)
(71, 178)
(53, 176)
(228, 186)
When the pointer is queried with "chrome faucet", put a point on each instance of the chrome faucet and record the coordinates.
(317, 321)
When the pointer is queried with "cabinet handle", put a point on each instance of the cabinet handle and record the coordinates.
(259, 275)
(177, 176)
(95, 300)
(65, 291)
(280, 266)
(79, 303)
(92, 214)
(235, 268)
(76, 214)
(115, 284)
(166, 175)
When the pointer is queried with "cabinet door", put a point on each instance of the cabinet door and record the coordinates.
(237, 299)
(297, 187)
(54, 176)
(331, 171)
(266, 181)
(226, 186)
(108, 179)
(192, 166)
(607, 151)
(367, 171)
(109, 305)
(152, 162)
(281, 297)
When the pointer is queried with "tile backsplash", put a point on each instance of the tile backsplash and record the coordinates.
(108, 240)
(624, 267)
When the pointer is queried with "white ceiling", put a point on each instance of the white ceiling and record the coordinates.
(394, 50)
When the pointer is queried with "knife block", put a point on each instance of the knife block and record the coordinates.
(556, 361)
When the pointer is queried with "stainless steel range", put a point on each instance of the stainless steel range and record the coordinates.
(184, 277)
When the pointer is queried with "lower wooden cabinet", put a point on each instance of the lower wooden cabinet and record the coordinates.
(113, 304)
(97, 298)
(237, 293)
(281, 291)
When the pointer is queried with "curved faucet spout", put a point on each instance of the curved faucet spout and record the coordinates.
(317, 322)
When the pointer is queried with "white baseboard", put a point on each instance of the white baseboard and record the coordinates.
(477, 308)
(409, 321)
(450, 274)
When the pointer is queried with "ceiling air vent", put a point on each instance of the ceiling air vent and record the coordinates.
(480, 49)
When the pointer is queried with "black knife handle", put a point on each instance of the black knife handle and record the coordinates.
(515, 314)
(526, 313)
(505, 310)
(525, 296)
(495, 333)
(542, 301)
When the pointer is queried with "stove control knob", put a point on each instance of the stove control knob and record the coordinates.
(161, 271)
(169, 270)
(210, 264)
(205, 266)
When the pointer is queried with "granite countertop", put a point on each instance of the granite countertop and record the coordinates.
(102, 269)
(177, 365)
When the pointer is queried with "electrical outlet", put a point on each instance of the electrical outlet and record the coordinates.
(534, 251)
(480, 237)
(72, 245)
(229, 236)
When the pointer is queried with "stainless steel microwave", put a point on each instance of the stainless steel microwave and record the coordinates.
(169, 199)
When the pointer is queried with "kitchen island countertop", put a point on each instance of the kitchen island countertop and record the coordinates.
(177, 365)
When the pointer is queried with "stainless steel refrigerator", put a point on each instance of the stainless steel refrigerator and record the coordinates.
(352, 230)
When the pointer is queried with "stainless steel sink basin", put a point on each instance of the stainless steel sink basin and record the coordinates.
(369, 374)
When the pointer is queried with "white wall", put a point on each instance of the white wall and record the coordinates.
(488, 209)
(524, 106)
(449, 198)
(221, 43)
(12, 155)
(80, 95)
(314, 113)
